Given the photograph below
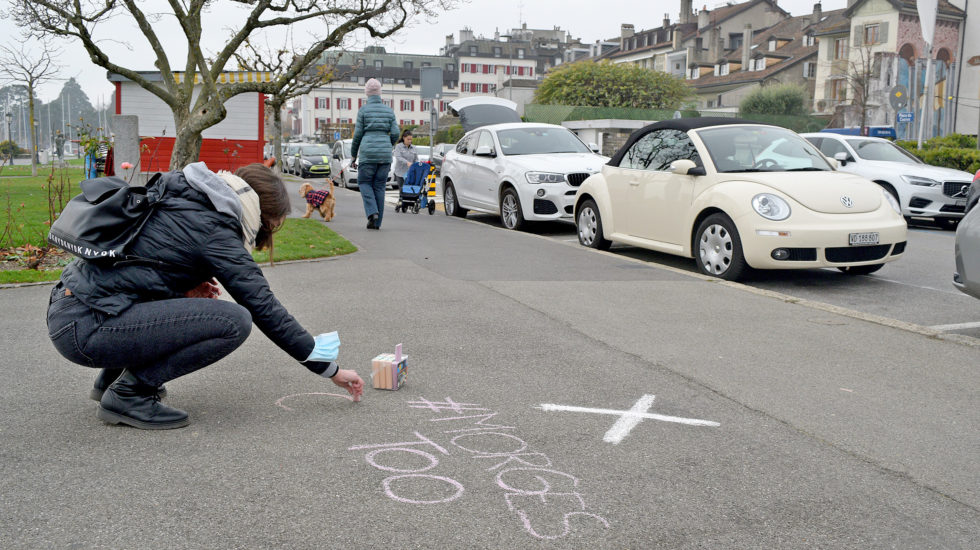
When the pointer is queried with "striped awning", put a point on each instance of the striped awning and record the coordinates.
(231, 77)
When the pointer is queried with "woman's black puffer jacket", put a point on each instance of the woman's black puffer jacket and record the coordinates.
(186, 232)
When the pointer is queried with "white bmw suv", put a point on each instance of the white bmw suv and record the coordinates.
(922, 190)
(521, 171)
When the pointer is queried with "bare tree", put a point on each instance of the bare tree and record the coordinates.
(20, 65)
(252, 58)
(862, 79)
(80, 20)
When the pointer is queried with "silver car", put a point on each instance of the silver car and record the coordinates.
(967, 275)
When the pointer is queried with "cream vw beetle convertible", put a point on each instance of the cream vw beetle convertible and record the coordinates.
(735, 195)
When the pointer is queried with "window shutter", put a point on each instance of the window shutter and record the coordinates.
(806, 69)
(857, 35)
(883, 32)
(830, 49)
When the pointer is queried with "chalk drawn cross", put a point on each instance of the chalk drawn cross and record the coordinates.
(628, 419)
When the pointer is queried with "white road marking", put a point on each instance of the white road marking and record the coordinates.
(955, 293)
(958, 326)
(628, 419)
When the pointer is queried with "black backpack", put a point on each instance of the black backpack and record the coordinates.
(99, 224)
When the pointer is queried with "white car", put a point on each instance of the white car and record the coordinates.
(340, 170)
(735, 194)
(922, 190)
(521, 171)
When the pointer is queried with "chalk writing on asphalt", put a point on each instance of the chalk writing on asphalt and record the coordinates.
(530, 483)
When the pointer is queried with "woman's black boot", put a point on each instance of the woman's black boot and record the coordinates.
(129, 401)
(372, 221)
(107, 377)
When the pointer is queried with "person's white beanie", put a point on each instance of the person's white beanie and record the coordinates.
(373, 87)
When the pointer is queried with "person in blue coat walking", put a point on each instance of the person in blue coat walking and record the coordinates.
(375, 134)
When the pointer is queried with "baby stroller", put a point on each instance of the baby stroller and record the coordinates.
(412, 193)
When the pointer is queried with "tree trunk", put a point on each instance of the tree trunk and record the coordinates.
(187, 149)
(30, 103)
(276, 107)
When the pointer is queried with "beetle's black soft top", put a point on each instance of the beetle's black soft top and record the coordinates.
(682, 124)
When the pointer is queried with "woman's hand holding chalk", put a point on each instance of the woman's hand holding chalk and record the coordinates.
(350, 381)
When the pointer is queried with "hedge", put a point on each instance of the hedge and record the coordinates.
(955, 151)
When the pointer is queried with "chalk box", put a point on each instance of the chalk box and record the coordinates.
(388, 371)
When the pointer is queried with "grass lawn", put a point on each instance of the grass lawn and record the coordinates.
(24, 217)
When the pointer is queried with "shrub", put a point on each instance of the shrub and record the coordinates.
(9, 148)
(782, 99)
(938, 152)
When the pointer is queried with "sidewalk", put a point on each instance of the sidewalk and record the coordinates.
(833, 432)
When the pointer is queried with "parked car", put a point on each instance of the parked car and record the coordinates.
(340, 170)
(921, 190)
(439, 154)
(521, 171)
(734, 195)
(967, 245)
(290, 159)
(313, 160)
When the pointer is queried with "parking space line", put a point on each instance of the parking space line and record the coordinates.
(958, 326)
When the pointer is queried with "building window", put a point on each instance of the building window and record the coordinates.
(838, 90)
(496, 51)
(473, 50)
(809, 40)
(809, 70)
(840, 48)
(378, 63)
(408, 65)
(711, 103)
(426, 105)
(343, 103)
(520, 53)
(695, 73)
(450, 67)
(871, 34)
(321, 103)
(772, 44)
(361, 62)
(734, 41)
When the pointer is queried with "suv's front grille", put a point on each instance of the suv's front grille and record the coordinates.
(577, 178)
(957, 189)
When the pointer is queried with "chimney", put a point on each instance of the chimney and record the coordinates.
(817, 13)
(449, 40)
(687, 10)
(676, 37)
(704, 17)
(746, 46)
(625, 31)
(666, 20)
(714, 44)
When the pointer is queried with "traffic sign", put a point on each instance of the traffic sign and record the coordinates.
(336, 135)
(899, 97)
(430, 79)
(905, 116)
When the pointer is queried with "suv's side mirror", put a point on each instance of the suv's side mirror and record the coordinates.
(336, 156)
(485, 151)
(841, 158)
(594, 147)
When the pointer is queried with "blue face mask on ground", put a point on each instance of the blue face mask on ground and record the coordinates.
(326, 347)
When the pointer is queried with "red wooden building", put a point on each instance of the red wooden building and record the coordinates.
(234, 142)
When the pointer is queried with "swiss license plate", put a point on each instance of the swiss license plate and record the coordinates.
(862, 238)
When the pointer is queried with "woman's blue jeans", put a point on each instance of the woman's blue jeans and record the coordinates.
(157, 341)
(372, 182)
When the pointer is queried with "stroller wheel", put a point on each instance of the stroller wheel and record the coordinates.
(432, 208)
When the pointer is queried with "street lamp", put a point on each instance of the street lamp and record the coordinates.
(10, 118)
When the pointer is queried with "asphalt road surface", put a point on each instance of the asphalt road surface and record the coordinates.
(557, 398)
(916, 289)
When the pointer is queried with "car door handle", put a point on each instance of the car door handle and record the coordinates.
(634, 182)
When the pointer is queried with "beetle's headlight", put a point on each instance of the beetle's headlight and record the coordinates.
(306, 162)
(771, 207)
(892, 201)
(544, 177)
(924, 182)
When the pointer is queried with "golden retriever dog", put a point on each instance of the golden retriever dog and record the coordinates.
(319, 199)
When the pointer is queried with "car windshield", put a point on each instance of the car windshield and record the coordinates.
(870, 149)
(539, 141)
(761, 149)
(318, 150)
(423, 150)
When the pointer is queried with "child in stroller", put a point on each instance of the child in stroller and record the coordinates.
(412, 194)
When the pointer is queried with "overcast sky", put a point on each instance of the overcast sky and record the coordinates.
(588, 21)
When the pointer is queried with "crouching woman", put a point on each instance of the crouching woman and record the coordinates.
(144, 326)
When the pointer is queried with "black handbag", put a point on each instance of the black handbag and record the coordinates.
(100, 223)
